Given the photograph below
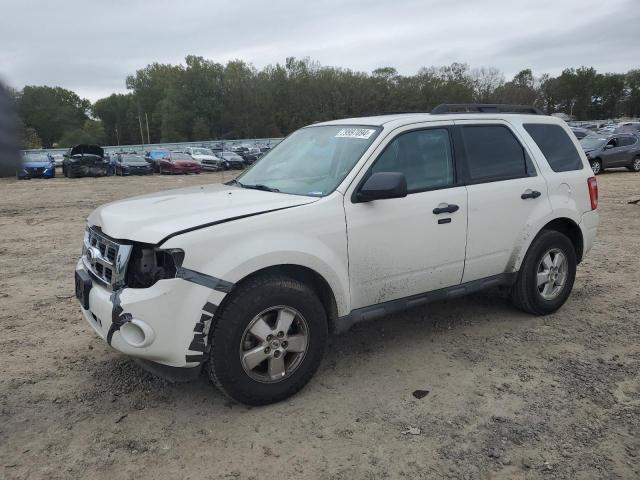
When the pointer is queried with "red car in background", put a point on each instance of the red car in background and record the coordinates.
(179, 162)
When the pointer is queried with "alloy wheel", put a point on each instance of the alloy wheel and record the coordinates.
(552, 274)
(274, 344)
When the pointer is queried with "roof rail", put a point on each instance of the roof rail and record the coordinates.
(485, 108)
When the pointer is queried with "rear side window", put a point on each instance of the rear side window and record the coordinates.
(626, 141)
(494, 153)
(556, 146)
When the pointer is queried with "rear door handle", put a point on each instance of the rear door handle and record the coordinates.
(530, 194)
(449, 208)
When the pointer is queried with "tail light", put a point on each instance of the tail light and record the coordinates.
(592, 183)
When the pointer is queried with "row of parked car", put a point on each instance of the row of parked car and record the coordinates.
(92, 161)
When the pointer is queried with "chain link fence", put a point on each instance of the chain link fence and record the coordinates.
(142, 148)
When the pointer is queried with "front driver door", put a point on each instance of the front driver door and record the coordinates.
(401, 247)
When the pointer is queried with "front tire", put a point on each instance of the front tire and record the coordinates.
(268, 340)
(596, 166)
(547, 274)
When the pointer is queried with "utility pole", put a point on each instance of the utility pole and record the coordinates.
(141, 134)
(147, 120)
(117, 136)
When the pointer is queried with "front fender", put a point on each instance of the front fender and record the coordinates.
(311, 236)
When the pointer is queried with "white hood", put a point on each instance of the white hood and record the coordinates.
(151, 218)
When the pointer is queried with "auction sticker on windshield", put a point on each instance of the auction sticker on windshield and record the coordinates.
(355, 133)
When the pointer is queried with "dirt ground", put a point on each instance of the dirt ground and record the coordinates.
(509, 395)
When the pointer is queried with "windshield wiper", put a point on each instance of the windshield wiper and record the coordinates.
(259, 186)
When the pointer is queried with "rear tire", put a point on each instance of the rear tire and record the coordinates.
(635, 165)
(262, 302)
(529, 293)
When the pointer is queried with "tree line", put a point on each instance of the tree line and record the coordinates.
(203, 99)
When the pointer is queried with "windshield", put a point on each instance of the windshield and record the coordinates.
(37, 157)
(231, 155)
(202, 151)
(180, 156)
(159, 154)
(311, 161)
(591, 143)
(131, 159)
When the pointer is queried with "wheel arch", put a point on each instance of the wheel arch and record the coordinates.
(306, 275)
(571, 230)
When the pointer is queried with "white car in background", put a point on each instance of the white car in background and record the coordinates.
(207, 159)
(344, 221)
(58, 158)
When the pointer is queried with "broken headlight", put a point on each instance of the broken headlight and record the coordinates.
(147, 265)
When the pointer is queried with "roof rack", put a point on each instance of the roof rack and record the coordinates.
(485, 108)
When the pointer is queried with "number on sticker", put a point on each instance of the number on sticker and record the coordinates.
(355, 133)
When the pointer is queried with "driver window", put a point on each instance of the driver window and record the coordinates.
(613, 142)
(423, 156)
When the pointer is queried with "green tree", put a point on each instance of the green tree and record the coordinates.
(51, 111)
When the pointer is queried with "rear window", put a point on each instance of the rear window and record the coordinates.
(556, 146)
(494, 153)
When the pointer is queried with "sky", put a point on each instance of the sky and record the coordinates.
(90, 46)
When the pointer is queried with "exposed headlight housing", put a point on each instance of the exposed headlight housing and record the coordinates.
(147, 265)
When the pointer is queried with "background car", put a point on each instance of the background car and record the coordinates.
(37, 165)
(580, 133)
(129, 164)
(233, 160)
(58, 158)
(208, 160)
(628, 127)
(153, 157)
(179, 162)
(619, 150)
(85, 161)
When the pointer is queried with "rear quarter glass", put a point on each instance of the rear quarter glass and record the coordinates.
(556, 146)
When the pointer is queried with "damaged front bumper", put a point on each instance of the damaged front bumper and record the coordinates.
(166, 324)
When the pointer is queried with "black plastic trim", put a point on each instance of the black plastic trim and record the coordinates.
(379, 310)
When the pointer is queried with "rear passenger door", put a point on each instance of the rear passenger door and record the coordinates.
(626, 151)
(505, 194)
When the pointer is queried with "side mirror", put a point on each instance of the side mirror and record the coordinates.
(383, 185)
(608, 146)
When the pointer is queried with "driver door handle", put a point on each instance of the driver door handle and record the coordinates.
(530, 194)
(449, 208)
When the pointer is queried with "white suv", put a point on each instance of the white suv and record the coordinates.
(342, 222)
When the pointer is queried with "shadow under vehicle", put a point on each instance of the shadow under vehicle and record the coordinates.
(85, 161)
